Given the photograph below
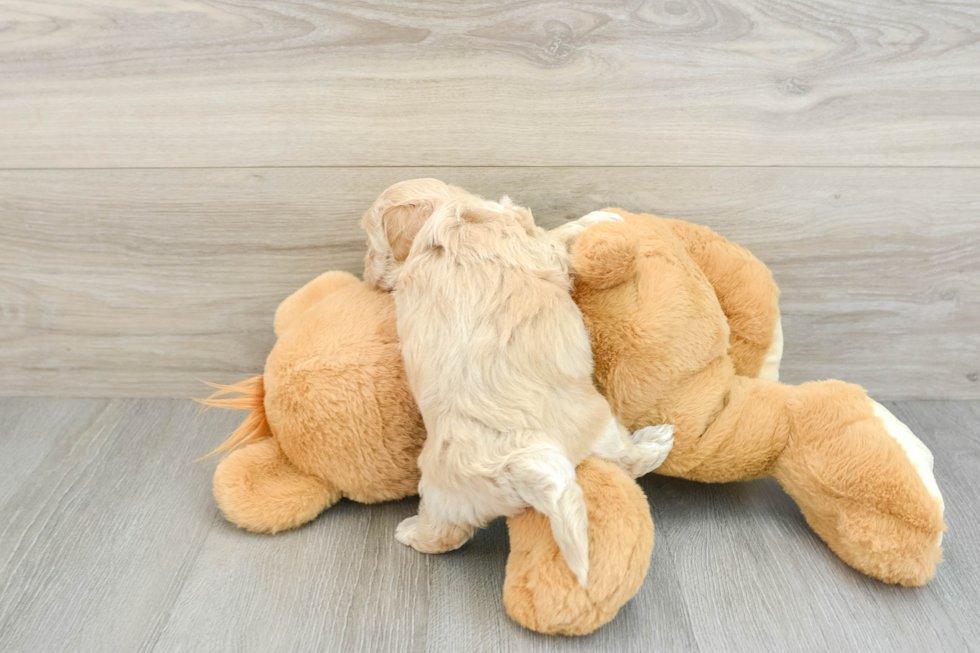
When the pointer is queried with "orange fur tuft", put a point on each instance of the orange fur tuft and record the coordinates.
(252, 398)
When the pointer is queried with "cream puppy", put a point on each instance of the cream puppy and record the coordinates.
(500, 364)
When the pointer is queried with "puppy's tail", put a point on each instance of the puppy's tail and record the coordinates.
(545, 479)
(252, 398)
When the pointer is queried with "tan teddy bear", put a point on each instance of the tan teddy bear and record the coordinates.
(653, 293)
(332, 417)
(682, 321)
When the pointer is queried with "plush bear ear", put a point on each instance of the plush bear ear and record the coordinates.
(606, 255)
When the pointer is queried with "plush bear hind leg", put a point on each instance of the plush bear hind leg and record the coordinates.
(256, 485)
(864, 483)
(259, 490)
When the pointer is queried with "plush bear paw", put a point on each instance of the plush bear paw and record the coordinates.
(569, 232)
(606, 255)
(542, 593)
(590, 219)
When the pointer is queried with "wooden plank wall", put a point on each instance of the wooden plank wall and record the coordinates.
(170, 171)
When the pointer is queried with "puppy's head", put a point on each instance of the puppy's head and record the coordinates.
(393, 221)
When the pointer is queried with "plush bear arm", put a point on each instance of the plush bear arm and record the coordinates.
(568, 234)
(297, 303)
(748, 296)
(863, 481)
(605, 255)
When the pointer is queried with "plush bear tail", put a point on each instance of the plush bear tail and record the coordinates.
(256, 485)
(251, 398)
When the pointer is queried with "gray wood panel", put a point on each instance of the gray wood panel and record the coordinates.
(141, 282)
(91, 83)
(112, 542)
(29, 431)
(342, 584)
(957, 427)
(96, 542)
(735, 568)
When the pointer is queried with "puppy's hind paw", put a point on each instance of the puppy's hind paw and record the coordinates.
(405, 533)
(422, 537)
(662, 434)
(656, 443)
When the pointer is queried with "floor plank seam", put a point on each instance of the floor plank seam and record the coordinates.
(52, 514)
(662, 537)
(450, 166)
(151, 646)
(91, 420)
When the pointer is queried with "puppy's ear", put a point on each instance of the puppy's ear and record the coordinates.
(524, 217)
(477, 211)
(401, 224)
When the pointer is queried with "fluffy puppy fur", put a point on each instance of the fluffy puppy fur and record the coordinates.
(392, 222)
(500, 363)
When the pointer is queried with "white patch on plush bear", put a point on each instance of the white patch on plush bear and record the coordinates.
(598, 216)
(915, 449)
(770, 364)
(569, 232)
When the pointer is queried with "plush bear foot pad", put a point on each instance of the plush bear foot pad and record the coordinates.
(261, 491)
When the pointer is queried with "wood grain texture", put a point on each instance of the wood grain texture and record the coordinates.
(343, 584)
(112, 543)
(141, 282)
(955, 428)
(95, 543)
(93, 83)
(44, 428)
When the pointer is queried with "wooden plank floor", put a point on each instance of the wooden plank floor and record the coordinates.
(111, 541)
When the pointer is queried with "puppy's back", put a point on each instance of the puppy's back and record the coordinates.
(488, 328)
